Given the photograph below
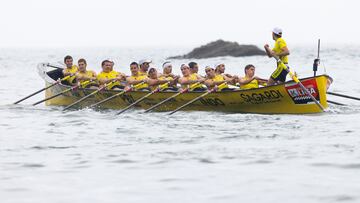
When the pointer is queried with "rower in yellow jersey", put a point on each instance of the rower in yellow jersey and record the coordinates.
(83, 75)
(194, 69)
(136, 78)
(154, 81)
(107, 75)
(70, 69)
(168, 75)
(213, 80)
(220, 72)
(188, 79)
(250, 81)
(280, 50)
(144, 66)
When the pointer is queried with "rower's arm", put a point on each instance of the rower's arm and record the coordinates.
(268, 51)
(131, 81)
(244, 81)
(104, 80)
(66, 72)
(93, 75)
(261, 80)
(185, 81)
(209, 83)
(285, 52)
(153, 82)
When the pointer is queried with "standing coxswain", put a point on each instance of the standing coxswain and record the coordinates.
(280, 50)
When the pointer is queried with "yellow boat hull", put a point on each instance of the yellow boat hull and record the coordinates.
(287, 98)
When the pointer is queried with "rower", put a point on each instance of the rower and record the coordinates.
(189, 79)
(83, 75)
(154, 81)
(194, 69)
(250, 81)
(70, 69)
(168, 75)
(213, 80)
(107, 75)
(136, 78)
(220, 72)
(144, 66)
(280, 50)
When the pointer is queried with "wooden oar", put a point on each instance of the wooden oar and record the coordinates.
(142, 98)
(45, 88)
(197, 98)
(87, 96)
(173, 96)
(336, 103)
(56, 95)
(343, 95)
(293, 76)
(115, 95)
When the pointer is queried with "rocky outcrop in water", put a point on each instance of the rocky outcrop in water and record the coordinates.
(221, 48)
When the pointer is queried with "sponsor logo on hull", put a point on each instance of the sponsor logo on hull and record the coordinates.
(299, 96)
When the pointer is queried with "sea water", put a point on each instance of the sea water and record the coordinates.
(47, 155)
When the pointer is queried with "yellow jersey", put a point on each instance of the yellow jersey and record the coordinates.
(110, 75)
(88, 73)
(166, 77)
(142, 73)
(220, 78)
(251, 85)
(71, 70)
(192, 77)
(140, 77)
(279, 45)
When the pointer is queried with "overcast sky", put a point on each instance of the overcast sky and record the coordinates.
(53, 23)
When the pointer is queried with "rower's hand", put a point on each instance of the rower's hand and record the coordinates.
(228, 75)
(201, 80)
(266, 46)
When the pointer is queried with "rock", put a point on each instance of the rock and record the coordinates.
(221, 48)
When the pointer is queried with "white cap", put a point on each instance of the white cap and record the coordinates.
(277, 31)
(167, 64)
(218, 64)
(109, 59)
(144, 61)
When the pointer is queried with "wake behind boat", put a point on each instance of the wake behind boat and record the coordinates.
(286, 98)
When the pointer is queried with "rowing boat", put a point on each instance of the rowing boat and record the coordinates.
(286, 98)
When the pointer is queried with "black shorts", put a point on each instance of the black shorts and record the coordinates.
(279, 74)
